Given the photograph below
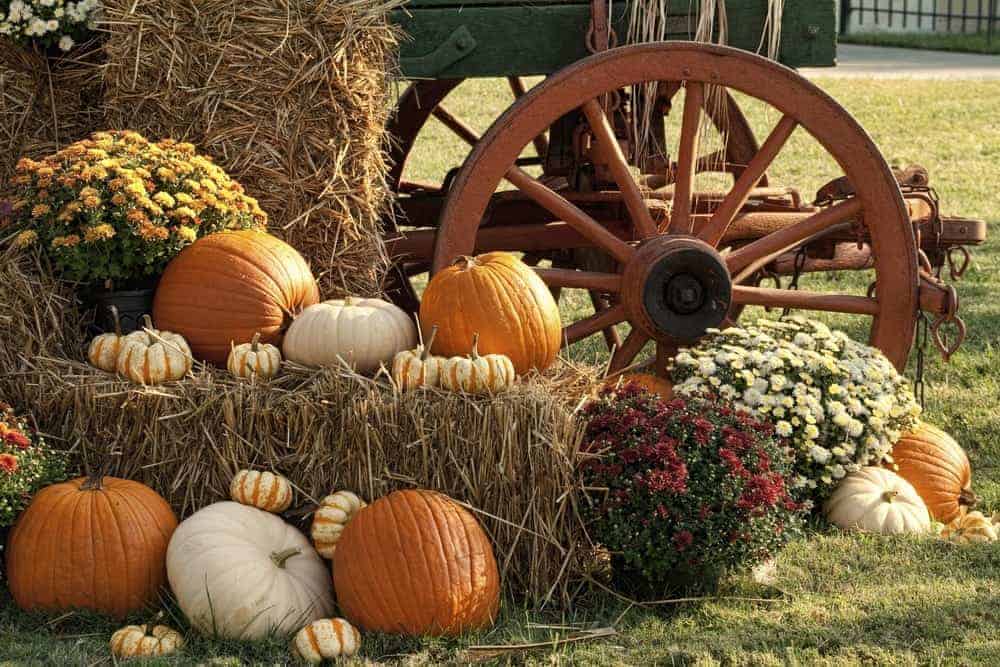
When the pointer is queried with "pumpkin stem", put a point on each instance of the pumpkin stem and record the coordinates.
(279, 557)
(968, 498)
(890, 496)
(427, 344)
(94, 482)
(147, 326)
(147, 629)
(475, 347)
(114, 318)
(255, 342)
(465, 262)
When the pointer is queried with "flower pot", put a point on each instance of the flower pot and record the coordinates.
(130, 304)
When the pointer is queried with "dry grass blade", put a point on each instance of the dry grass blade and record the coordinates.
(490, 651)
(511, 458)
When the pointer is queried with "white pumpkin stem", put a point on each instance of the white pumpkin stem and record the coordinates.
(279, 557)
(889, 496)
(255, 343)
(427, 344)
(475, 347)
(114, 318)
(147, 326)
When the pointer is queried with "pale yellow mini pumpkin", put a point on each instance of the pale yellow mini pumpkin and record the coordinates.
(332, 515)
(475, 374)
(326, 639)
(877, 500)
(104, 349)
(149, 356)
(418, 368)
(261, 489)
(970, 527)
(254, 359)
(145, 641)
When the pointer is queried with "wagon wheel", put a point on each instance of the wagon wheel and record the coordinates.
(423, 100)
(671, 287)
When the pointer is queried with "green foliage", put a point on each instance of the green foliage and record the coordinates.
(27, 464)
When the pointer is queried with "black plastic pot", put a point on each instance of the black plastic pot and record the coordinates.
(131, 305)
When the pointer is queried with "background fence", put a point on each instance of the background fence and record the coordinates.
(944, 16)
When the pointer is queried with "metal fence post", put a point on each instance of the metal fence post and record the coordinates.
(845, 13)
(990, 21)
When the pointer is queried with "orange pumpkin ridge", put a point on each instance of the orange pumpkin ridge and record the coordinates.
(938, 469)
(91, 543)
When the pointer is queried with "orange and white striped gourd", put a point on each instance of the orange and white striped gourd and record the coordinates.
(326, 639)
(104, 349)
(254, 359)
(261, 489)
(412, 369)
(151, 356)
(144, 641)
(330, 518)
(970, 527)
(475, 374)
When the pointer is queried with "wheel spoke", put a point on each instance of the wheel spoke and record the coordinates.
(570, 214)
(628, 351)
(591, 325)
(792, 235)
(456, 125)
(737, 197)
(612, 152)
(610, 283)
(783, 298)
(601, 304)
(664, 353)
(687, 158)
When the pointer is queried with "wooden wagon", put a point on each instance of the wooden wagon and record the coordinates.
(599, 201)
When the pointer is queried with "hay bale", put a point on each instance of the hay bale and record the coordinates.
(46, 103)
(289, 96)
(511, 458)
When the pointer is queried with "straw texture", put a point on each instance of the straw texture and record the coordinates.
(511, 458)
(289, 96)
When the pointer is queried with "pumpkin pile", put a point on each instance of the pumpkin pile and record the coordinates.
(148, 356)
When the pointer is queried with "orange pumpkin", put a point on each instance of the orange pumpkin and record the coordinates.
(95, 543)
(503, 300)
(937, 467)
(225, 287)
(416, 562)
(654, 384)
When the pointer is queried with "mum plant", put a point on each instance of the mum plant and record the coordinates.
(49, 23)
(117, 208)
(841, 403)
(684, 489)
(27, 464)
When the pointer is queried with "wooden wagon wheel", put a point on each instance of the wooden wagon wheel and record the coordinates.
(424, 100)
(672, 286)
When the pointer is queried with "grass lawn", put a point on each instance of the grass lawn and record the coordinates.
(835, 599)
(968, 43)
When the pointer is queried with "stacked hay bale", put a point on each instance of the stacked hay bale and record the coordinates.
(46, 103)
(289, 96)
(511, 457)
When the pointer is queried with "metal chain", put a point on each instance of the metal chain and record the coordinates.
(797, 266)
(923, 325)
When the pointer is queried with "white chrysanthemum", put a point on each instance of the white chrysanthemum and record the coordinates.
(66, 43)
(784, 429)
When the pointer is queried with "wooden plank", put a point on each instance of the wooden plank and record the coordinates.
(520, 39)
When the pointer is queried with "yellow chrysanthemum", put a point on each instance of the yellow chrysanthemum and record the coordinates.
(92, 202)
(118, 199)
(65, 241)
(188, 234)
(183, 212)
(25, 238)
(153, 233)
(164, 199)
(183, 198)
(40, 210)
(166, 174)
(137, 215)
(98, 233)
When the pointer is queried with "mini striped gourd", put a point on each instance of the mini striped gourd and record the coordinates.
(326, 639)
(261, 489)
(478, 374)
(331, 517)
(412, 369)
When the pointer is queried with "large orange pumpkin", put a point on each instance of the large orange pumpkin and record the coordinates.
(91, 543)
(503, 300)
(937, 467)
(416, 562)
(226, 287)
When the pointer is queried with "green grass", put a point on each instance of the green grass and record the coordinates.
(967, 43)
(836, 599)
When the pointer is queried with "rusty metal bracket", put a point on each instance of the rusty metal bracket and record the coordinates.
(941, 300)
(600, 35)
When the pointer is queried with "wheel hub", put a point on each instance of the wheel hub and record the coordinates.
(676, 287)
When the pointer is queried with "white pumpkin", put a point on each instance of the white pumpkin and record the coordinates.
(330, 519)
(363, 332)
(877, 500)
(103, 350)
(413, 369)
(151, 356)
(326, 639)
(241, 573)
(475, 374)
(254, 359)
